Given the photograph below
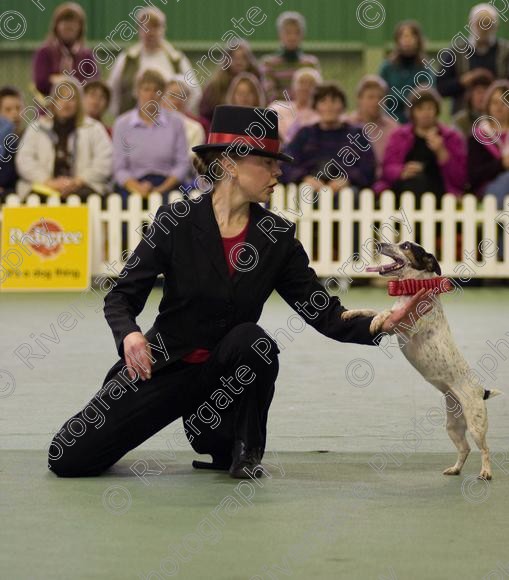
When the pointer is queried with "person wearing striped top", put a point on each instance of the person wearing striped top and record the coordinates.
(278, 69)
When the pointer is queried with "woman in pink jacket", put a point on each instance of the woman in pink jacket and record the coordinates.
(424, 155)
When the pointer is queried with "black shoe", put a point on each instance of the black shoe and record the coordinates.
(219, 462)
(246, 461)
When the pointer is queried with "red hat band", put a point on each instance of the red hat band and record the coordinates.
(271, 145)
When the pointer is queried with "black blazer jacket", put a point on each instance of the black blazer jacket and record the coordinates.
(201, 303)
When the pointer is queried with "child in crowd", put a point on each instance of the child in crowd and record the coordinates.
(96, 100)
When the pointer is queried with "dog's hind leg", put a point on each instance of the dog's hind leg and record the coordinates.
(477, 424)
(456, 429)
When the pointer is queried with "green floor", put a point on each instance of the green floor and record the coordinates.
(325, 512)
(319, 515)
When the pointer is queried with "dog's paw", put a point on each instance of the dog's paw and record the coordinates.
(378, 321)
(349, 314)
(485, 474)
(452, 471)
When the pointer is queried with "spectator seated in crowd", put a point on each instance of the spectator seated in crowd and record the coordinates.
(176, 98)
(245, 91)
(11, 129)
(173, 100)
(150, 150)
(64, 152)
(475, 94)
(370, 91)
(299, 112)
(96, 100)
(402, 67)
(488, 156)
(151, 52)
(424, 155)
(278, 69)
(242, 60)
(487, 51)
(161, 112)
(316, 145)
(7, 172)
(64, 51)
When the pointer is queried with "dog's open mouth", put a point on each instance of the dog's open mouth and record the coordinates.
(387, 268)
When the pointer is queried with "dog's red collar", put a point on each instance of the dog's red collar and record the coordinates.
(412, 286)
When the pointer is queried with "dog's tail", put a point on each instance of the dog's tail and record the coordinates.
(490, 393)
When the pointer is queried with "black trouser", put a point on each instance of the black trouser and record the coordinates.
(236, 384)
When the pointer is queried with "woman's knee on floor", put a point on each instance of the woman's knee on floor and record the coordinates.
(65, 461)
(70, 454)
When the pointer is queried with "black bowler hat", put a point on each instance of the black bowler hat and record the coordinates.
(233, 125)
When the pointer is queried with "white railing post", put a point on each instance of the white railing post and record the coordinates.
(295, 203)
(346, 218)
(134, 218)
(114, 219)
(448, 215)
(366, 219)
(305, 217)
(428, 223)
(97, 237)
(323, 216)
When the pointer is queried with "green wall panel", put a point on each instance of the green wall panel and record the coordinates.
(206, 20)
(347, 49)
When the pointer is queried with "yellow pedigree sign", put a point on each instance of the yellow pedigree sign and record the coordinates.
(45, 248)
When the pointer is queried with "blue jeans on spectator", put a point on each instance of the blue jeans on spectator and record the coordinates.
(499, 187)
(154, 179)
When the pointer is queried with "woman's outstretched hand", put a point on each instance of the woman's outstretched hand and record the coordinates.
(410, 313)
(137, 355)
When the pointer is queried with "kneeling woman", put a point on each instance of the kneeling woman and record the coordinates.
(222, 255)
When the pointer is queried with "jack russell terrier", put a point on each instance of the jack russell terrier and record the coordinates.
(430, 348)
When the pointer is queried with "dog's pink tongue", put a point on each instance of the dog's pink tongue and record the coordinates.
(373, 269)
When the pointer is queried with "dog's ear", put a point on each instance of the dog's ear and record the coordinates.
(432, 264)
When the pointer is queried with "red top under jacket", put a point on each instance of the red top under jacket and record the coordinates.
(200, 355)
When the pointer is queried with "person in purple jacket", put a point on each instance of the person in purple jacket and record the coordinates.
(424, 155)
(150, 150)
(331, 152)
(64, 51)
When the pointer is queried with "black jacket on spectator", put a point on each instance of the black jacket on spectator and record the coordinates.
(8, 175)
(482, 165)
(495, 60)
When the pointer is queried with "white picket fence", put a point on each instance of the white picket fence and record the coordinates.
(340, 242)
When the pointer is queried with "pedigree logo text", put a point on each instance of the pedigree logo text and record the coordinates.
(46, 237)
